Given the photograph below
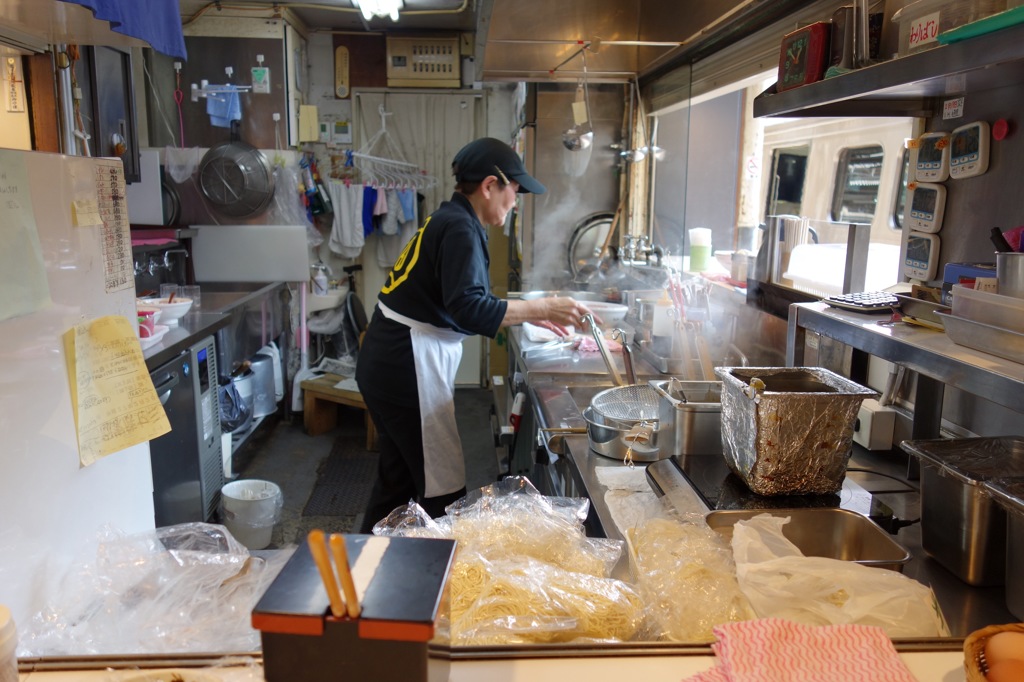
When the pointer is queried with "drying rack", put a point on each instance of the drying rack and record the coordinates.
(204, 89)
(387, 168)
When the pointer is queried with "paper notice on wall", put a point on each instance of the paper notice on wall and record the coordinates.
(113, 398)
(112, 206)
(309, 124)
(22, 269)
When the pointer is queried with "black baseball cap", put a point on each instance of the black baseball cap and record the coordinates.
(489, 156)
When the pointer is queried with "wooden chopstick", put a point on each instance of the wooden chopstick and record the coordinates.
(345, 574)
(318, 548)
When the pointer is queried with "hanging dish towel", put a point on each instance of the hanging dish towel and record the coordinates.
(224, 107)
(346, 238)
(777, 650)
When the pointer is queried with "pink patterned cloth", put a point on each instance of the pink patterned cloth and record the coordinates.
(777, 650)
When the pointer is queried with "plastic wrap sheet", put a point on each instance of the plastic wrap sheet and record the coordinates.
(971, 460)
(524, 570)
(188, 588)
(789, 430)
(687, 578)
(286, 207)
(782, 583)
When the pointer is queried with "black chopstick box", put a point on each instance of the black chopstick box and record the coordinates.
(401, 583)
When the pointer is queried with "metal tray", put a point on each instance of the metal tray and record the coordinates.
(996, 341)
(920, 309)
(830, 533)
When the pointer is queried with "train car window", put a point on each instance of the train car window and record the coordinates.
(855, 193)
(789, 170)
(896, 219)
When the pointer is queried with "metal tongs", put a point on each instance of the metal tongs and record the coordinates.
(588, 318)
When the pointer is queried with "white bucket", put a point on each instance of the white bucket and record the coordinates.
(8, 647)
(249, 509)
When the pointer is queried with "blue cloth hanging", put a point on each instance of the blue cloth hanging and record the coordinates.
(223, 107)
(158, 22)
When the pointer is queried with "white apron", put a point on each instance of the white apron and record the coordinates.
(436, 354)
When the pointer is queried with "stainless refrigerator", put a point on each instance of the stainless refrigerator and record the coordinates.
(187, 469)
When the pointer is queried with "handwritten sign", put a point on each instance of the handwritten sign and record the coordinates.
(111, 202)
(114, 401)
(923, 30)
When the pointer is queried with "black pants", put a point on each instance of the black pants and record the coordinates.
(400, 475)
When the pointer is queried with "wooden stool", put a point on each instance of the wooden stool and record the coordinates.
(320, 400)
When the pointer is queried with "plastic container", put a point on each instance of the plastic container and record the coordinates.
(264, 397)
(997, 310)
(921, 22)
(789, 430)
(8, 646)
(953, 472)
(249, 510)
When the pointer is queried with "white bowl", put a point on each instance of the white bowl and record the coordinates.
(170, 313)
(608, 312)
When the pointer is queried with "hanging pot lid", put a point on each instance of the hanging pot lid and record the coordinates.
(236, 178)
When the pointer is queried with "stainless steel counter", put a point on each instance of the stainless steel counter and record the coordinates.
(223, 312)
(558, 396)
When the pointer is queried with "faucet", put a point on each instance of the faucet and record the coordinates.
(167, 256)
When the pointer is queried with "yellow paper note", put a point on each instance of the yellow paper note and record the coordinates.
(114, 401)
(85, 211)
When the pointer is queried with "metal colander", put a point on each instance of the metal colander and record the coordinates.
(633, 403)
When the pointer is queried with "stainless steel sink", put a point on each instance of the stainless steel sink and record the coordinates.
(221, 297)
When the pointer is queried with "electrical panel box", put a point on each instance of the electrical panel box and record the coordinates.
(424, 62)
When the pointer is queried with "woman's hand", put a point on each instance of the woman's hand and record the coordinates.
(555, 313)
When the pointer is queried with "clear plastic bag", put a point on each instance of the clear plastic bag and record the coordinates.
(782, 583)
(188, 588)
(524, 570)
(687, 577)
(529, 601)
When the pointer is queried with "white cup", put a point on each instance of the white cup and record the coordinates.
(700, 249)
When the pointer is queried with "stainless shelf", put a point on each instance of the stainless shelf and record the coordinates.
(910, 85)
(937, 360)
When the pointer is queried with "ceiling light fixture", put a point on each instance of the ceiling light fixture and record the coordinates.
(378, 8)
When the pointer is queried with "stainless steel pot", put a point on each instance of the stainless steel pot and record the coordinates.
(637, 442)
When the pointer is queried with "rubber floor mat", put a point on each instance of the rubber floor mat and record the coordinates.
(343, 484)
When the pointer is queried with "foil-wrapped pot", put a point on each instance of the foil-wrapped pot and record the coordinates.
(789, 430)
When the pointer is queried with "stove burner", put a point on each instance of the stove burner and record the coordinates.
(720, 488)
